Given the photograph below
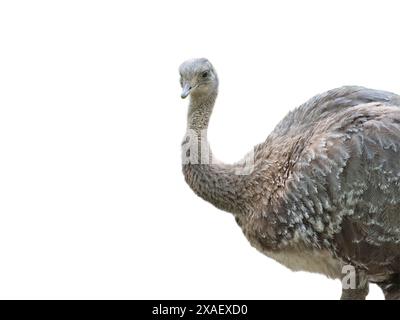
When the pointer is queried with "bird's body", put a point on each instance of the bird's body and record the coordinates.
(323, 191)
(332, 195)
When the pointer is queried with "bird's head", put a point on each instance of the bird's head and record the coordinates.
(198, 78)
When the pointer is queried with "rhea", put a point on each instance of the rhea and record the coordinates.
(321, 193)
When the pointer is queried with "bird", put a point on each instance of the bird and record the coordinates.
(321, 194)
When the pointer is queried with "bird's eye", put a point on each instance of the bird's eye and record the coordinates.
(204, 74)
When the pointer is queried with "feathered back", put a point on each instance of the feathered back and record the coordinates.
(330, 102)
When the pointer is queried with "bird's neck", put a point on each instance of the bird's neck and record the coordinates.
(200, 109)
(216, 183)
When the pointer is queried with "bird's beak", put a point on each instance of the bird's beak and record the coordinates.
(185, 90)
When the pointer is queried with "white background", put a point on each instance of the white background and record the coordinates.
(92, 200)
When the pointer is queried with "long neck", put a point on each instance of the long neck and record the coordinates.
(216, 183)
